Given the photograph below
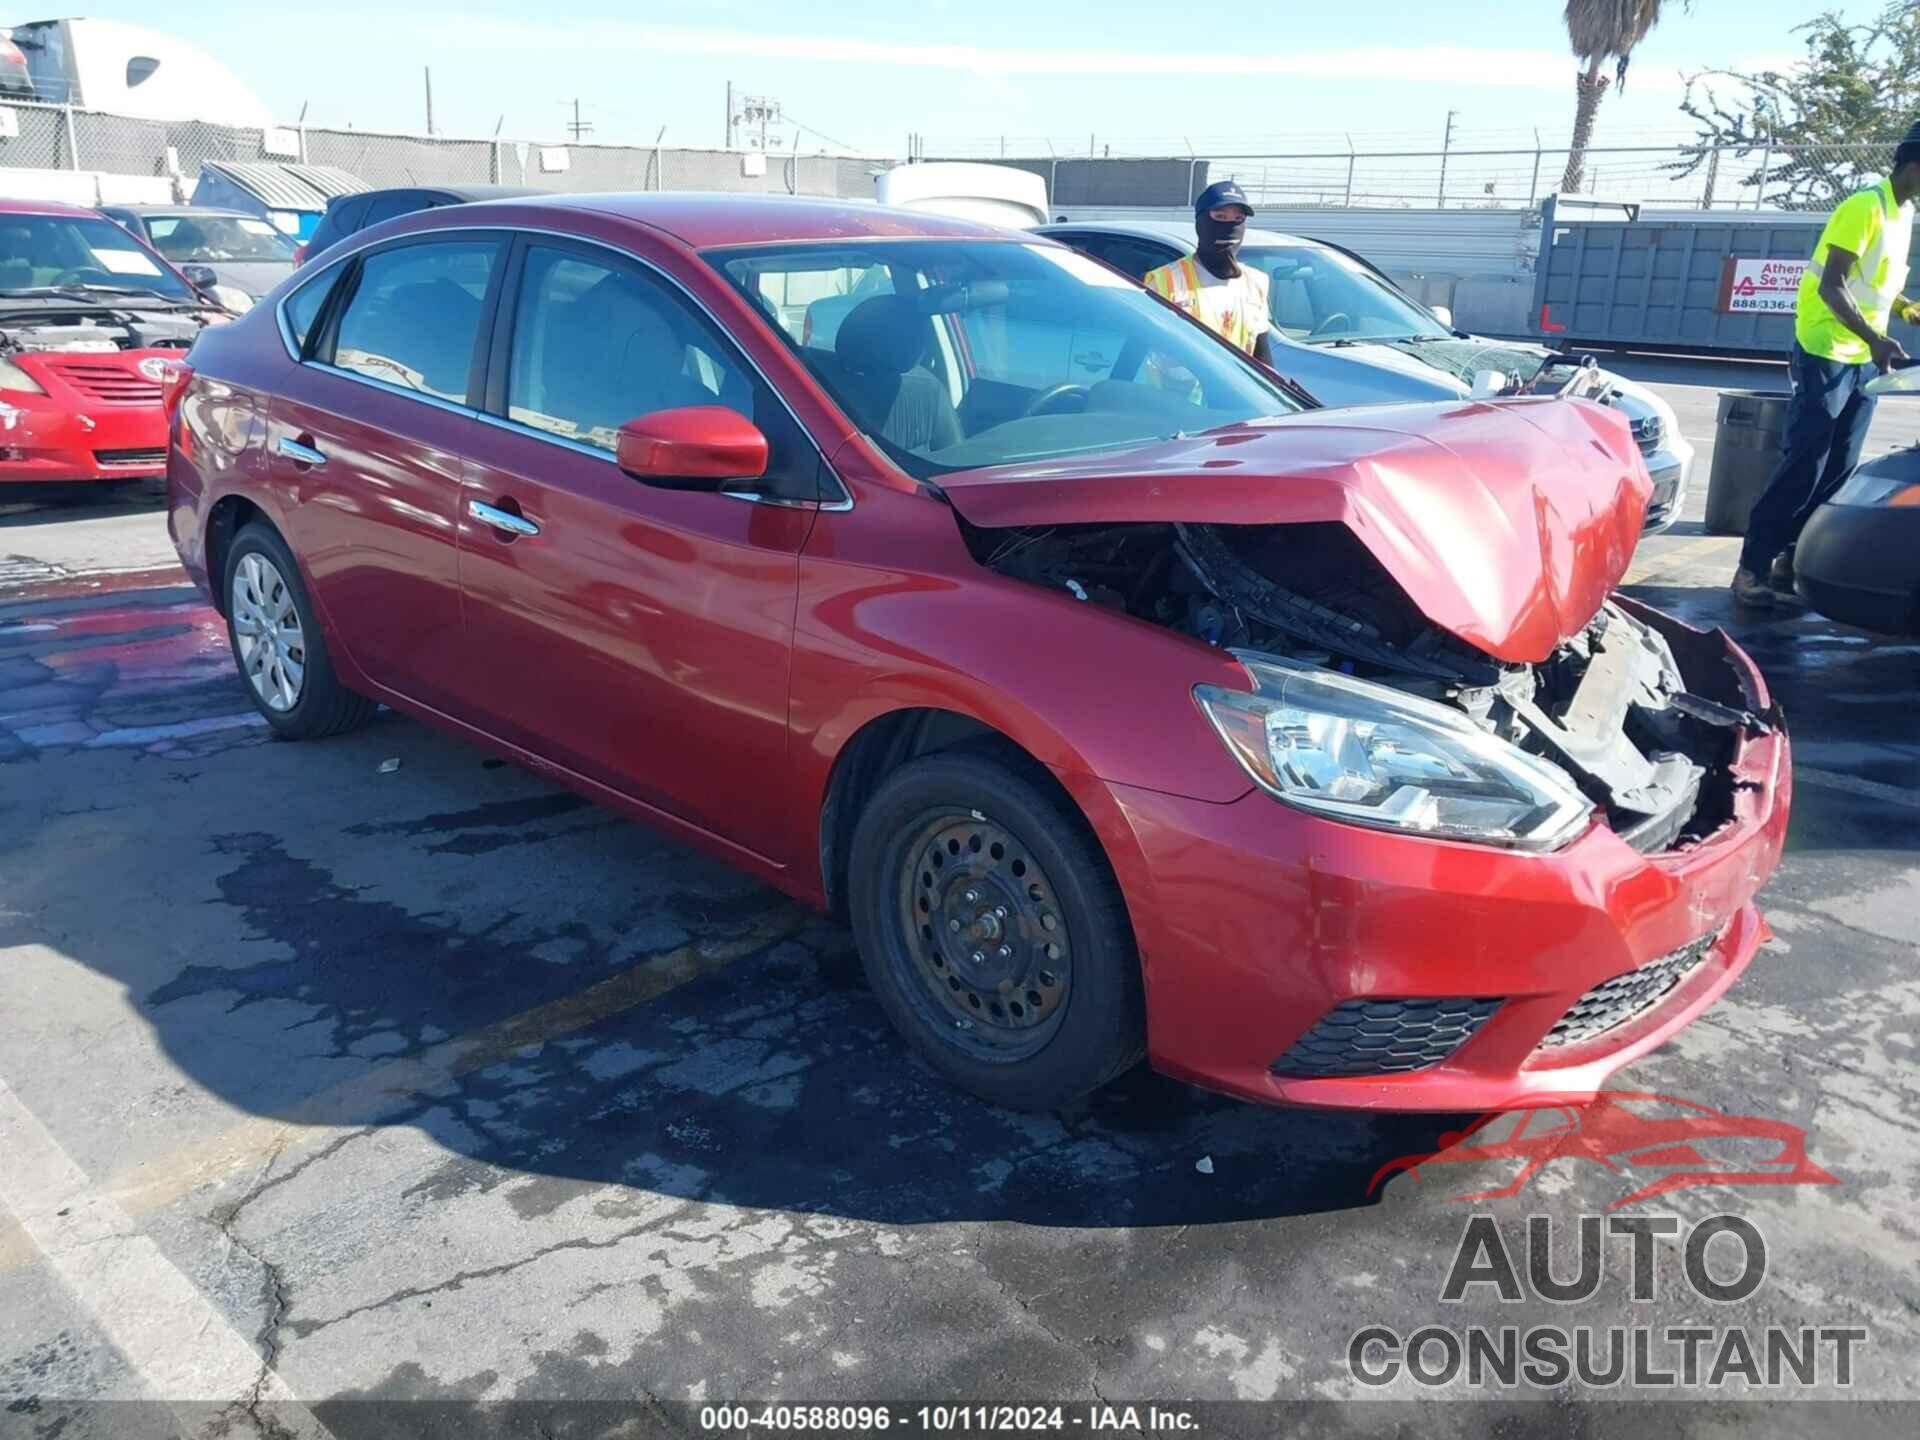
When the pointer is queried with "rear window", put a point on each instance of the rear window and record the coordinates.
(304, 305)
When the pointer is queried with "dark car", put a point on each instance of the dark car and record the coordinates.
(1300, 750)
(352, 213)
(1858, 560)
(241, 252)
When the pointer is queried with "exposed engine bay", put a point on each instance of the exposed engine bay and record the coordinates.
(1609, 707)
(99, 329)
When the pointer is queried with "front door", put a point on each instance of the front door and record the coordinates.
(636, 634)
(368, 438)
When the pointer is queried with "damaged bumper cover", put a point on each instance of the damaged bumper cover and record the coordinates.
(1422, 974)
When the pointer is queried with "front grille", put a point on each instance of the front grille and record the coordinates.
(153, 455)
(114, 384)
(1616, 1001)
(1649, 431)
(1384, 1037)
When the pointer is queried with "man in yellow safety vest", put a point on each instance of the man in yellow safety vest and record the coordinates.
(1212, 285)
(1849, 293)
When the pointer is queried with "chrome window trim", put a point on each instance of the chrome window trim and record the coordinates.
(841, 505)
(392, 389)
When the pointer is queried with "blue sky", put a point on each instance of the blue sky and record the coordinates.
(863, 74)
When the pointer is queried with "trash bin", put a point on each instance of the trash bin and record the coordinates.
(1747, 444)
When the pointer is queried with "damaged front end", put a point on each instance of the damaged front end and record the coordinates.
(1364, 710)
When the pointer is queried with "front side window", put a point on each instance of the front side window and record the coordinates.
(1123, 252)
(213, 239)
(1322, 297)
(414, 316)
(982, 353)
(597, 343)
(62, 254)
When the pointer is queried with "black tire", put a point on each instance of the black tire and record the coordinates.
(323, 705)
(1091, 1032)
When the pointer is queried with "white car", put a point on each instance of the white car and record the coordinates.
(1352, 337)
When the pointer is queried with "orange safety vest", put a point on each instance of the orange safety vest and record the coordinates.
(1180, 283)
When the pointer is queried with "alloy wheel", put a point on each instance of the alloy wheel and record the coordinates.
(267, 632)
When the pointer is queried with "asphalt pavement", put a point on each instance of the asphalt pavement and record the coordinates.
(376, 1070)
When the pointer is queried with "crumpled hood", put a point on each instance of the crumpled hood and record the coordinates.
(1507, 522)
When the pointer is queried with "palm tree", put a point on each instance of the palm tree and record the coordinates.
(1600, 30)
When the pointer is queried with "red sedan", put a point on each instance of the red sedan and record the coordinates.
(1122, 702)
(90, 321)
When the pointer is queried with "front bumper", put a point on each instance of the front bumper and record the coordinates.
(1255, 922)
(43, 439)
(1860, 564)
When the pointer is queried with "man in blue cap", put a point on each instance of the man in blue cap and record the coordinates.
(1847, 297)
(1211, 285)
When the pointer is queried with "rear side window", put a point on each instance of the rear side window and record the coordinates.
(414, 316)
(597, 343)
(1127, 255)
(304, 305)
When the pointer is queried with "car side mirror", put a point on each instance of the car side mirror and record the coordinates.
(693, 447)
(201, 277)
(1442, 314)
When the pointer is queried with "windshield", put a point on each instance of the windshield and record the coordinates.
(1321, 297)
(81, 254)
(960, 354)
(210, 239)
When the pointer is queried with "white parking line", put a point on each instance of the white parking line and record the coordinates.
(180, 1346)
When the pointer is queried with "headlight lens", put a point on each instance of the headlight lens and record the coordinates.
(12, 377)
(1865, 487)
(1349, 750)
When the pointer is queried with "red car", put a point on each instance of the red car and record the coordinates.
(1122, 702)
(90, 320)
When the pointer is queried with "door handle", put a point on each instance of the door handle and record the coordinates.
(500, 519)
(300, 454)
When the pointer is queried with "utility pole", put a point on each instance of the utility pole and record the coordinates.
(428, 70)
(576, 126)
(729, 114)
(1446, 144)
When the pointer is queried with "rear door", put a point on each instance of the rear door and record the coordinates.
(368, 437)
(635, 634)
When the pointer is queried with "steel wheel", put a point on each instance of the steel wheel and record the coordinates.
(267, 632)
(985, 948)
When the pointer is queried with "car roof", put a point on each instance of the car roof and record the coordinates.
(1180, 232)
(164, 210)
(703, 220)
(46, 207)
(468, 193)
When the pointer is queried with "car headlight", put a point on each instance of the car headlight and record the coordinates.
(1866, 487)
(12, 377)
(1348, 750)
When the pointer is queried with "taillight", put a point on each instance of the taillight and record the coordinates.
(299, 254)
(173, 387)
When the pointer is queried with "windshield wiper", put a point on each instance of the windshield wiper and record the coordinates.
(83, 291)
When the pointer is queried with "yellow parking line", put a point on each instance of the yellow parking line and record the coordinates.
(392, 1087)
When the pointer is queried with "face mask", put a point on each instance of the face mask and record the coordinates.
(1219, 240)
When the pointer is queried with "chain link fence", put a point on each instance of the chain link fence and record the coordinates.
(1695, 177)
(51, 137)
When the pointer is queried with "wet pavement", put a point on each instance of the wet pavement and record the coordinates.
(323, 1081)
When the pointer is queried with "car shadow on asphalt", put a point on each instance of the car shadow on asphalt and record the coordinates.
(770, 1081)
